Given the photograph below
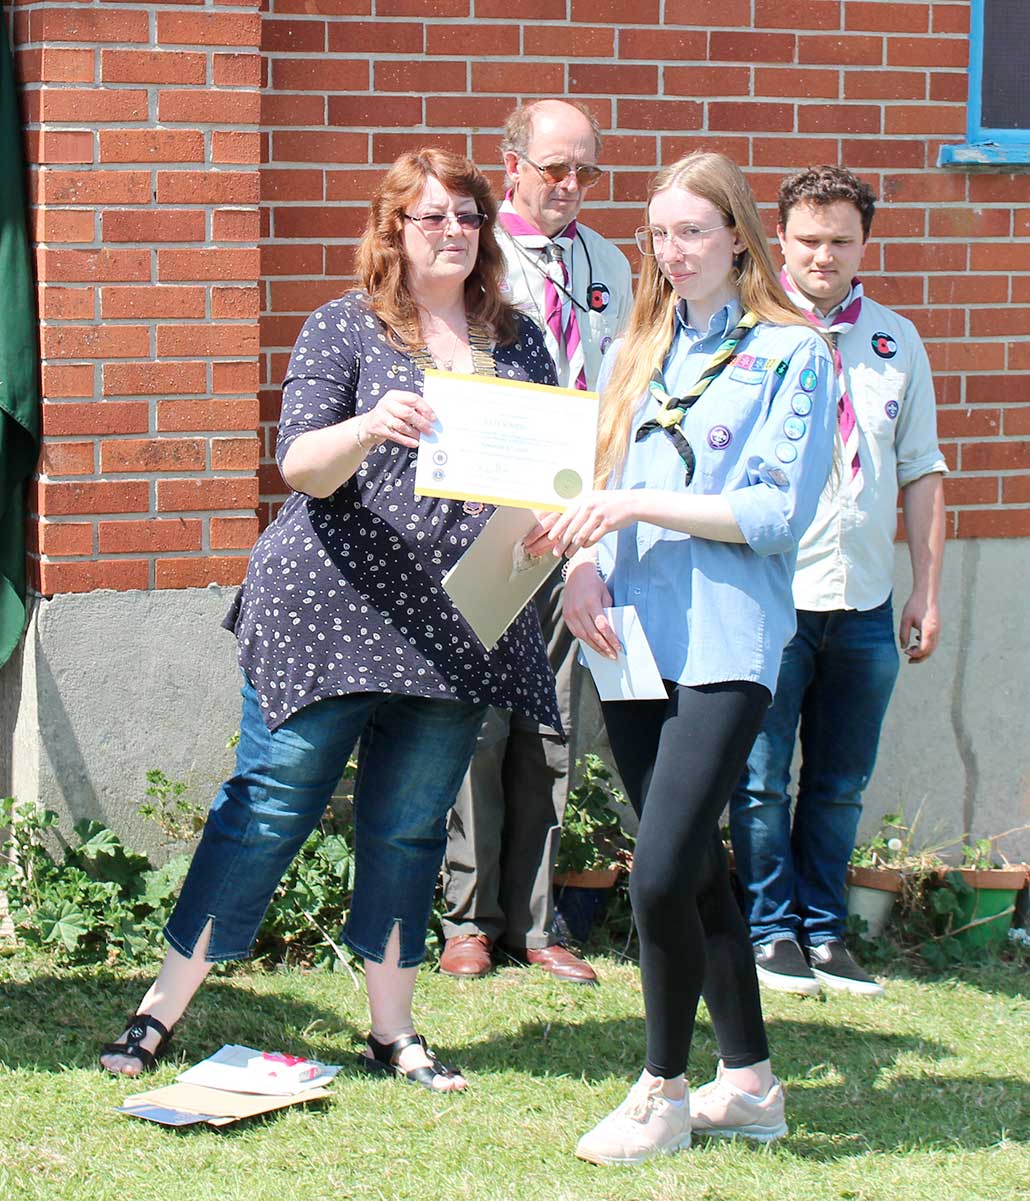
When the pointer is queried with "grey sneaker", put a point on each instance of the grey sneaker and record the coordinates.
(646, 1124)
(781, 965)
(721, 1110)
(832, 964)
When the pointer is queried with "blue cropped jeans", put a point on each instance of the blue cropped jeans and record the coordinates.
(836, 678)
(412, 756)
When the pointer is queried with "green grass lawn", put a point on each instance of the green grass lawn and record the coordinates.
(922, 1094)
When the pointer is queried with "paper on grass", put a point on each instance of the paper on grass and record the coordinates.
(634, 676)
(189, 1104)
(495, 579)
(239, 1069)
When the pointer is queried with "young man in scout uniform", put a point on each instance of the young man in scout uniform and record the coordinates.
(837, 673)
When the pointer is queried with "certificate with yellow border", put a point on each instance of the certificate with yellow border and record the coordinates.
(505, 442)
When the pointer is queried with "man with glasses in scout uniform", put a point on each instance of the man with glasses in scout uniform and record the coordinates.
(838, 672)
(506, 823)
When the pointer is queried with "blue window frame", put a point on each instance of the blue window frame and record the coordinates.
(998, 110)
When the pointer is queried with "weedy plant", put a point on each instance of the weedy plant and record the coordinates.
(592, 836)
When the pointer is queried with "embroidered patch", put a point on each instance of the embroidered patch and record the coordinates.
(808, 379)
(786, 452)
(891, 409)
(794, 428)
(801, 403)
(884, 345)
(598, 297)
(719, 437)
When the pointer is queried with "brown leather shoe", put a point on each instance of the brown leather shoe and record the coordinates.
(562, 963)
(466, 955)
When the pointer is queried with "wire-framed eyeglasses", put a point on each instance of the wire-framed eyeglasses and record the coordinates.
(652, 239)
(587, 174)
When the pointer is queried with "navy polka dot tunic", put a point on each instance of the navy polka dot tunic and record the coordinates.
(343, 594)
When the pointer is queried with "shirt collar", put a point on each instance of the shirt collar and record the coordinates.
(528, 236)
(720, 325)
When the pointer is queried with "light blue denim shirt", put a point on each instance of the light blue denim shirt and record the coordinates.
(762, 434)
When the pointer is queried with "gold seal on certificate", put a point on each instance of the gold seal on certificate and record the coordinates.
(568, 483)
(505, 442)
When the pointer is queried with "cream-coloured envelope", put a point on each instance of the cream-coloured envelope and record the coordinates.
(495, 579)
(634, 676)
(505, 442)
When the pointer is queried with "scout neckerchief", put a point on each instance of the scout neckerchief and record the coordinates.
(561, 326)
(674, 408)
(834, 327)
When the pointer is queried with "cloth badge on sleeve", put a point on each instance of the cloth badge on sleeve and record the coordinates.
(794, 428)
(786, 452)
(598, 296)
(719, 437)
(884, 345)
(801, 403)
(808, 379)
(891, 409)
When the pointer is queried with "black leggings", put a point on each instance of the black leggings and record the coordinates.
(680, 760)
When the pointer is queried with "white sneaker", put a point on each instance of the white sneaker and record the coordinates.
(722, 1110)
(646, 1124)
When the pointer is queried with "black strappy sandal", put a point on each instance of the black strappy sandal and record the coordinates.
(385, 1057)
(131, 1045)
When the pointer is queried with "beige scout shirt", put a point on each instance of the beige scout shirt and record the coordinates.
(846, 557)
(599, 280)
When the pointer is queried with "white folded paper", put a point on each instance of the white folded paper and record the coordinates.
(495, 578)
(634, 675)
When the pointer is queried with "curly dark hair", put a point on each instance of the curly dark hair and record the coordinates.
(826, 185)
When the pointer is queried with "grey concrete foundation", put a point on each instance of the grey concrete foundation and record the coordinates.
(955, 739)
(110, 684)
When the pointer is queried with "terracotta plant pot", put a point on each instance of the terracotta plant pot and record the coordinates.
(595, 877)
(871, 895)
(580, 899)
(885, 879)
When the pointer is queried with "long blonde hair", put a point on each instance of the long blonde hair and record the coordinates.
(720, 181)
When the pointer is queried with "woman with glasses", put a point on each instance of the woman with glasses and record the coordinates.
(345, 634)
(716, 439)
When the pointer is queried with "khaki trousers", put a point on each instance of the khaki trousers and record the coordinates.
(504, 829)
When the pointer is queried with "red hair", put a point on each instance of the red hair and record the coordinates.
(382, 263)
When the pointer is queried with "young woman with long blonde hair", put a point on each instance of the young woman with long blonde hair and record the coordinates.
(716, 439)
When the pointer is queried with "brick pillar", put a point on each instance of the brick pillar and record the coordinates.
(143, 131)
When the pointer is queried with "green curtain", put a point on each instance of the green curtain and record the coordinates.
(19, 361)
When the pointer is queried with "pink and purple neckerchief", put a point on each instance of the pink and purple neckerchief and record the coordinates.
(834, 327)
(561, 327)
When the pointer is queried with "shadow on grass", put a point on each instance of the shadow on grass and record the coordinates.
(53, 1022)
(842, 1101)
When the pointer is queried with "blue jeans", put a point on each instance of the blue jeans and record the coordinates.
(836, 676)
(413, 754)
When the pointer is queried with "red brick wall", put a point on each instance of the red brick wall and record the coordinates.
(143, 135)
(147, 200)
